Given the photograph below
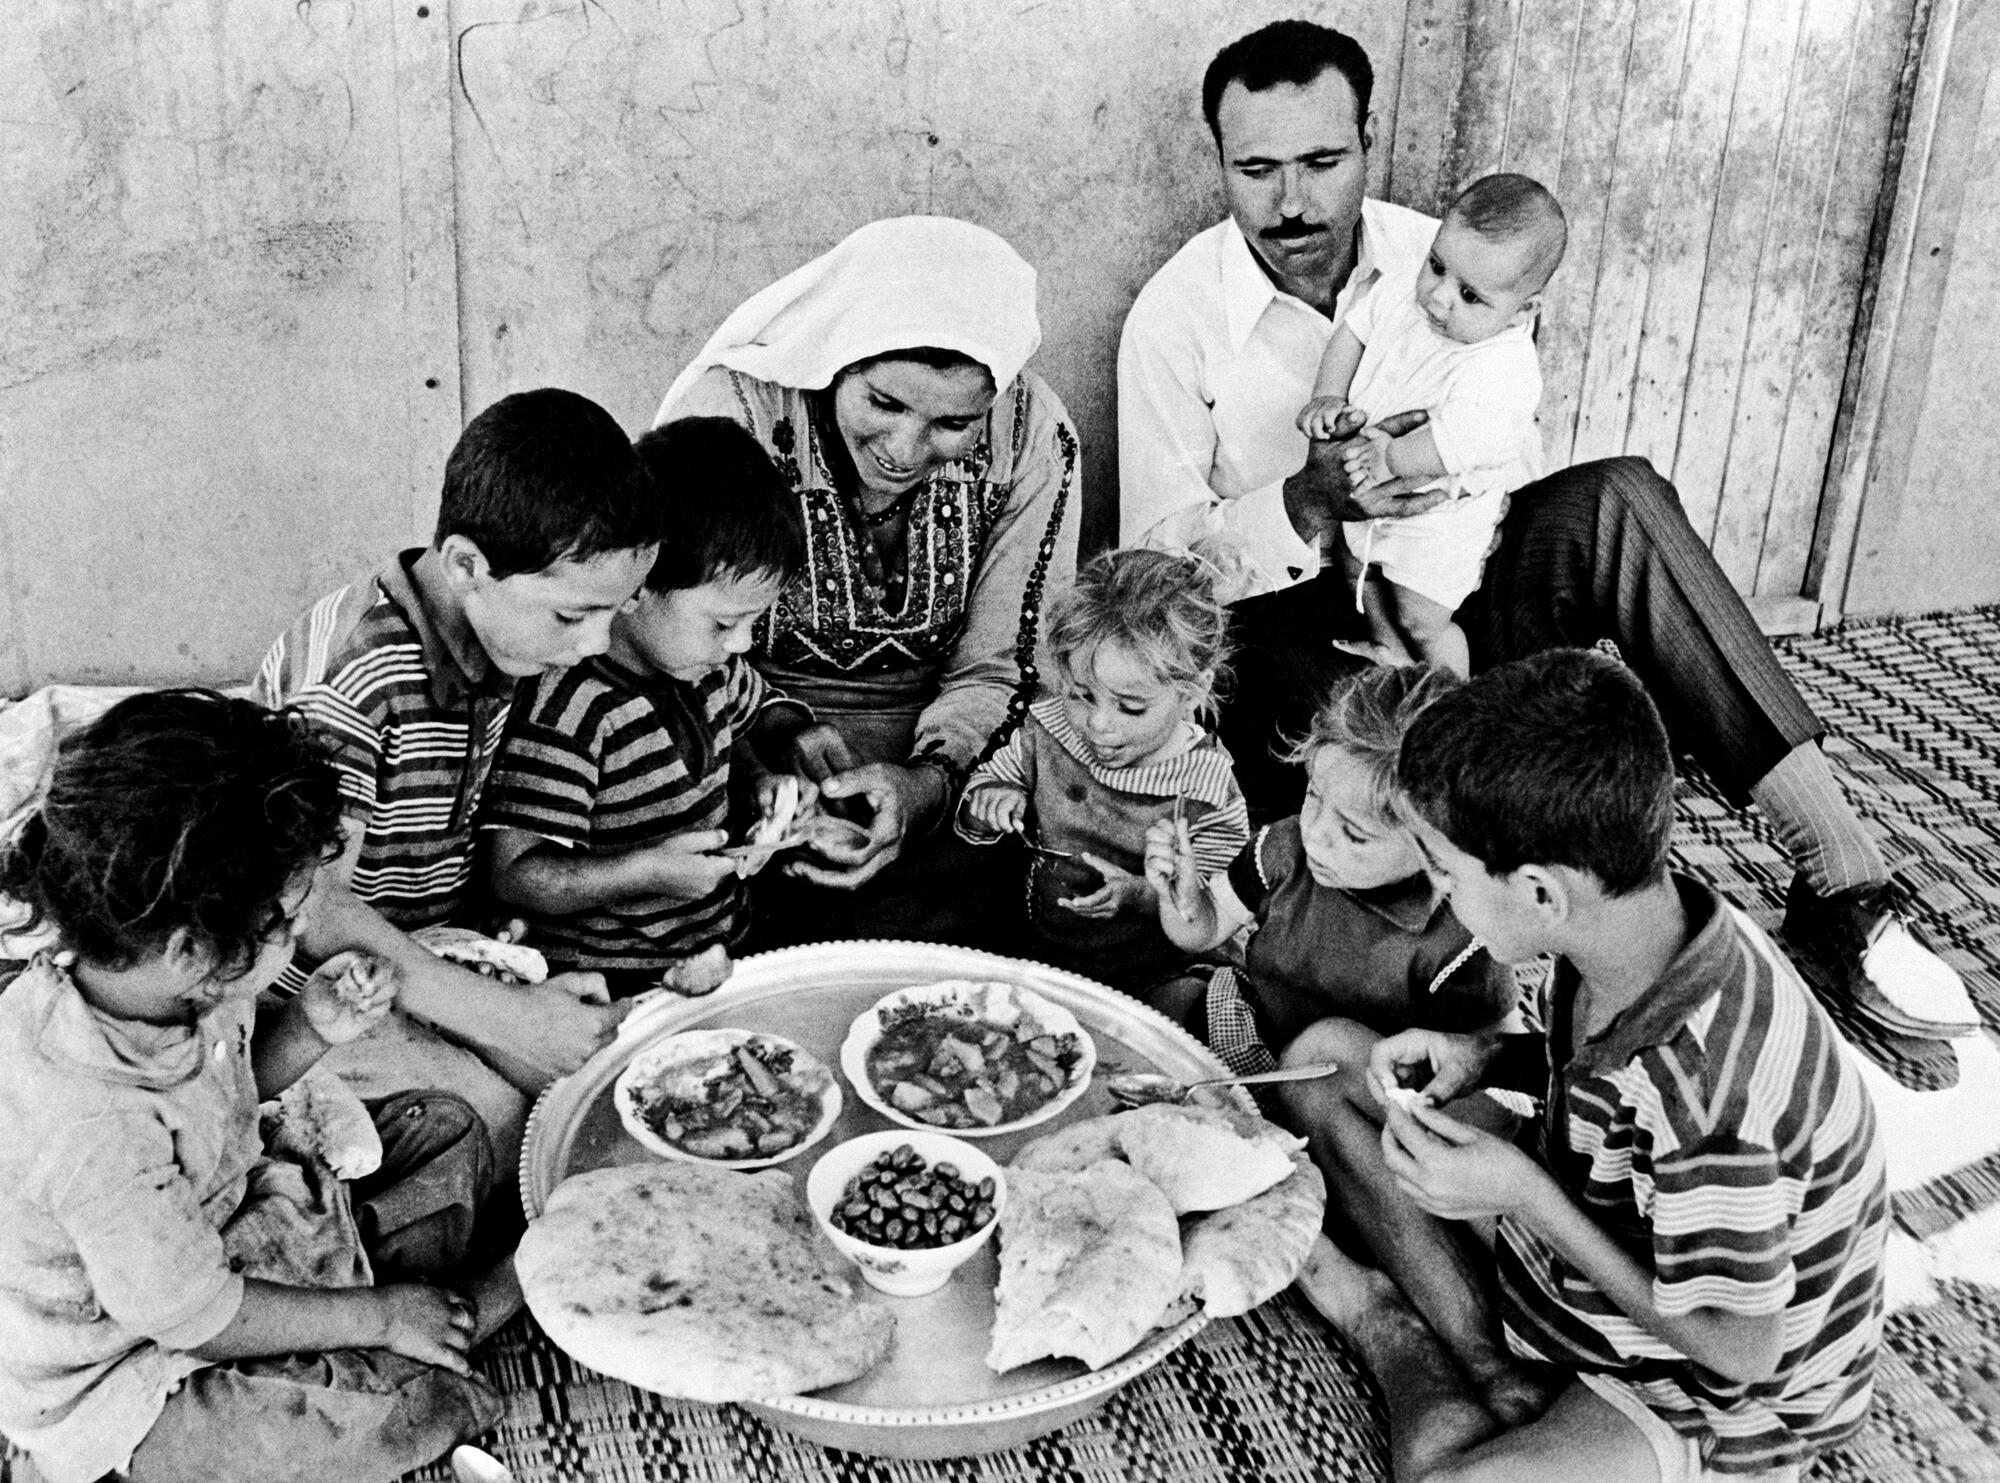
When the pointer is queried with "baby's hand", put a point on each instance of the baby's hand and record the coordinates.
(1318, 418)
(999, 807)
(1170, 866)
(348, 995)
(1367, 459)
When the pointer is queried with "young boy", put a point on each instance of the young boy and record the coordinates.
(611, 797)
(1696, 1241)
(1459, 344)
(176, 1305)
(546, 527)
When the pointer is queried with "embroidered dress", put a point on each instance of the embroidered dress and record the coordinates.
(1719, 1129)
(1076, 805)
(988, 536)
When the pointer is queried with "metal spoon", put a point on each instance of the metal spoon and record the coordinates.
(1136, 1088)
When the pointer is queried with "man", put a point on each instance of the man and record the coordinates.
(1217, 357)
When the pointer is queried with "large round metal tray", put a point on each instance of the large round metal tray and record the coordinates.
(933, 1396)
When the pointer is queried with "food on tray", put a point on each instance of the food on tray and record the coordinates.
(953, 1066)
(1234, 1259)
(703, 973)
(485, 955)
(900, 1199)
(726, 1095)
(1228, 1257)
(1089, 1261)
(697, 1282)
(1200, 1159)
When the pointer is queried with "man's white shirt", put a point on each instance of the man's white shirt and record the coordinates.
(1213, 367)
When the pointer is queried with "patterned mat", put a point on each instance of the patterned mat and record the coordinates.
(1912, 705)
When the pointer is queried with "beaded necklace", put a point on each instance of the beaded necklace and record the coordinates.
(885, 583)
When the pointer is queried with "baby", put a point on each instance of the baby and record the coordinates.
(1460, 346)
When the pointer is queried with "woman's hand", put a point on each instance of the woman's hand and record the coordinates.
(999, 808)
(347, 996)
(820, 752)
(895, 798)
(1121, 894)
(432, 1325)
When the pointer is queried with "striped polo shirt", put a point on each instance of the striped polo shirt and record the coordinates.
(394, 680)
(599, 758)
(1718, 1130)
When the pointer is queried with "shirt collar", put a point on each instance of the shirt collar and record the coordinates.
(1202, 773)
(1247, 290)
(1709, 959)
(1408, 905)
(453, 658)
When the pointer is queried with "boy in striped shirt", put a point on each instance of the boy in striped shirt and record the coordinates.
(610, 801)
(546, 526)
(1694, 1245)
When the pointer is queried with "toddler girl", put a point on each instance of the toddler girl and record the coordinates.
(176, 1304)
(1138, 644)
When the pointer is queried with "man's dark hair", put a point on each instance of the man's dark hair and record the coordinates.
(1291, 53)
(546, 476)
(726, 511)
(175, 810)
(1557, 759)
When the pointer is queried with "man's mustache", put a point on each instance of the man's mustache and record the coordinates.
(1290, 229)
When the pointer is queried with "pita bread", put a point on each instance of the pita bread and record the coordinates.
(476, 950)
(698, 1282)
(1234, 1259)
(1089, 1261)
(1200, 1157)
(1075, 1147)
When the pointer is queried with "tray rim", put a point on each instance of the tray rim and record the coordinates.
(661, 1017)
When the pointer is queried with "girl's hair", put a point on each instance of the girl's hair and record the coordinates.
(175, 810)
(1161, 606)
(1367, 719)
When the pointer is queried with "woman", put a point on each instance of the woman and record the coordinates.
(940, 484)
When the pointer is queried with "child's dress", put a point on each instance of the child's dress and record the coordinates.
(1393, 958)
(1075, 805)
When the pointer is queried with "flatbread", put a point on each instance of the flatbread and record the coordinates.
(1089, 1261)
(1200, 1157)
(1234, 1259)
(474, 949)
(698, 1282)
(1075, 1147)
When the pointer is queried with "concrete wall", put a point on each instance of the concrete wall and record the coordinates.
(257, 263)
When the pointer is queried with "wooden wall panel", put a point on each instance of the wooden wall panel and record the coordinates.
(1720, 162)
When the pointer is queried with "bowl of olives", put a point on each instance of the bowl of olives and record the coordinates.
(907, 1208)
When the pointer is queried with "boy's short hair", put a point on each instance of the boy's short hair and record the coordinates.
(175, 810)
(1287, 53)
(726, 511)
(1557, 759)
(1366, 719)
(1161, 605)
(1514, 208)
(545, 476)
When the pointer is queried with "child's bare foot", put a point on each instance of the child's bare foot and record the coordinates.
(1340, 1289)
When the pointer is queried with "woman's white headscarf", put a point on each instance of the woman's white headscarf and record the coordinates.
(892, 285)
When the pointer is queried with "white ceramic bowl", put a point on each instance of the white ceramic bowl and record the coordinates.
(1002, 1003)
(892, 1269)
(680, 1057)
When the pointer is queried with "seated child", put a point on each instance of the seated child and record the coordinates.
(546, 527)
(162, 1319)
(1696, 1240)
(1460, 346)
(1137, 643)
(609, 804)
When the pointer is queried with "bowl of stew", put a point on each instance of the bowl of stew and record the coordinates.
(739, 1099)
(968, 1058)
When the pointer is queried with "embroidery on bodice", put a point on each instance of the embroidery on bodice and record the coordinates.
(825, 621)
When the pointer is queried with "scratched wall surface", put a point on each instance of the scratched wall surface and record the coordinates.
(630, 170)
(202, 388)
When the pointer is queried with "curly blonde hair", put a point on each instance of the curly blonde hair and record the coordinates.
(1160, 605)
(1367, 719)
